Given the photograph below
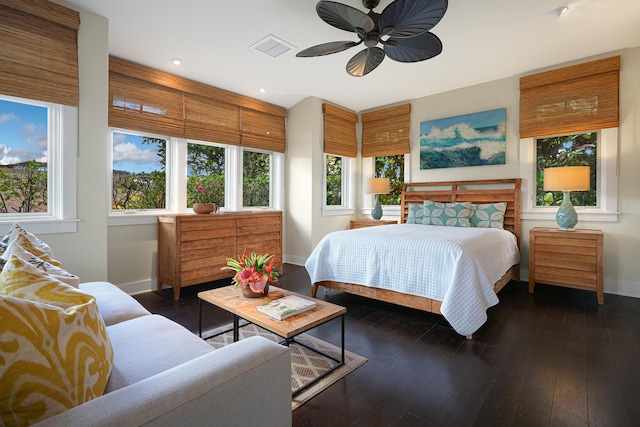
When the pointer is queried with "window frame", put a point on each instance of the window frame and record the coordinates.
(369, 168)
(607, 172)
(348, 184)
(62, 143)
(169, 195)
(176, 169)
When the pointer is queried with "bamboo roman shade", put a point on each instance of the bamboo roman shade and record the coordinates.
(340, 131)
(262, 131)
(145, 107)
(574, 99)
(386, 132)
(39, 51)
(148, 100)
(210, 120)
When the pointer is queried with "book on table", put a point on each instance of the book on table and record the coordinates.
(286, 307)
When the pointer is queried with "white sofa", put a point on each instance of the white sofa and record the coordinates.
(164, 375)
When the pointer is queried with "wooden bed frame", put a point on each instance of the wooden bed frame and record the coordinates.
(478, 191)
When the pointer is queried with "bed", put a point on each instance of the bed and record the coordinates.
(452, 280)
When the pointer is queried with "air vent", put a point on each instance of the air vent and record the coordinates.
(272, 46)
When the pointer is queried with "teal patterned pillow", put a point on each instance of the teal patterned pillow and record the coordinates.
(416, 213)
(489, 215)
(448, 214)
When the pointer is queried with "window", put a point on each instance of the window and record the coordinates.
(394, 167)
(205, 174)
(391, 167)
(139, 179)
(566, 150)
(256, 179)
(338, 197)
(38, 164)
(334, 181)
(23, 166)
(599, 204)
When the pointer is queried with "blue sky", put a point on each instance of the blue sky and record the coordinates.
(23, 133)
(130, 154)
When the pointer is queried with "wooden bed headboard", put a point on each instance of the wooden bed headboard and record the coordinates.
(478, 191)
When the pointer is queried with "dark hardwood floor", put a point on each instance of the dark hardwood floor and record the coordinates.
(551, 358)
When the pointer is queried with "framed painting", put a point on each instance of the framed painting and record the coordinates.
(476, 139)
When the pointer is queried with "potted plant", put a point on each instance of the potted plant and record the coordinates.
(200, 204)
(254, 273)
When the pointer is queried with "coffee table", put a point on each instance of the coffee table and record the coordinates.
(230, 298)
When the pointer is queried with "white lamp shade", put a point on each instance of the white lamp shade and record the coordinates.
(567, 178)
(376, 186)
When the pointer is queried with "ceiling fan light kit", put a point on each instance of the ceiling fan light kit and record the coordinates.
(402, 29)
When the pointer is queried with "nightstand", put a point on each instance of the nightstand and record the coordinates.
(361, 223)
(567, 258)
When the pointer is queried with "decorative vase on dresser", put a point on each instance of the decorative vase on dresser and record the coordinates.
(204, 208)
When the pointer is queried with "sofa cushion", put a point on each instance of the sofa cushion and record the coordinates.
(32, 244)
(115, 305)
(148, 345)
(54, 349)
(59, 273)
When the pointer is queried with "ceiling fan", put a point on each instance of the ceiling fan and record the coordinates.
(402, 29)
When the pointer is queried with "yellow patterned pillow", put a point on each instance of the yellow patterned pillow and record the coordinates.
(54, 349)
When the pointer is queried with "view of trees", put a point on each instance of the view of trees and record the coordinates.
(23, 188)
(256, 172)
(567, 150)
(334, 180)
(391, 167)
(142, 190)
(205, 183)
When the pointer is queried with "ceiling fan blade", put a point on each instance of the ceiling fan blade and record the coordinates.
(326, 49)
(365, 61)
(414, 49)
(408, 18)
(344, 17)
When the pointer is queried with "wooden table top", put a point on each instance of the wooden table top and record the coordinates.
(230, 299)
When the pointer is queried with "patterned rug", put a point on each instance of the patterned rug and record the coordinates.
(305, 364)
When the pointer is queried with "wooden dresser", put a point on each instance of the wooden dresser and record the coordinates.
(567, 258)
(193, 248)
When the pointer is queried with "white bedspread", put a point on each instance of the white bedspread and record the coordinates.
(455, 265)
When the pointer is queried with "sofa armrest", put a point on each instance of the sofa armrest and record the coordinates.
(247, 383)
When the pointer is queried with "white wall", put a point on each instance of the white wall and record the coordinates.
(85, 252)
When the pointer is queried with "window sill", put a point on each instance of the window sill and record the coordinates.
(583, 215)
(41, 225)
(337, 211)
(134, 218)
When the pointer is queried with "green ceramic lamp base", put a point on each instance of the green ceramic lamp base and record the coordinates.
(567, 217)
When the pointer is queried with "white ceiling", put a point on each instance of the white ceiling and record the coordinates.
(483, 40)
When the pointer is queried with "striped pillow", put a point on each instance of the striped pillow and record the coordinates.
(54, 349)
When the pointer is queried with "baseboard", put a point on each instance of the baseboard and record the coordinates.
(295, 260)
(614, 287)
(138, 287)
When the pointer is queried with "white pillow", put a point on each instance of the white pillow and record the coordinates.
(59, 273)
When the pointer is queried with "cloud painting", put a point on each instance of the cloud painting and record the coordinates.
(476, 139)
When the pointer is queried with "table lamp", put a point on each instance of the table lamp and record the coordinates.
(376, 186)
(567, 179)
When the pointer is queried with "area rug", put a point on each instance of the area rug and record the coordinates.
(305, 364)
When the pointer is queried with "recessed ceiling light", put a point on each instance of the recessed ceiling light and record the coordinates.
(176, 61)
(558, 12)
(262, 90)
